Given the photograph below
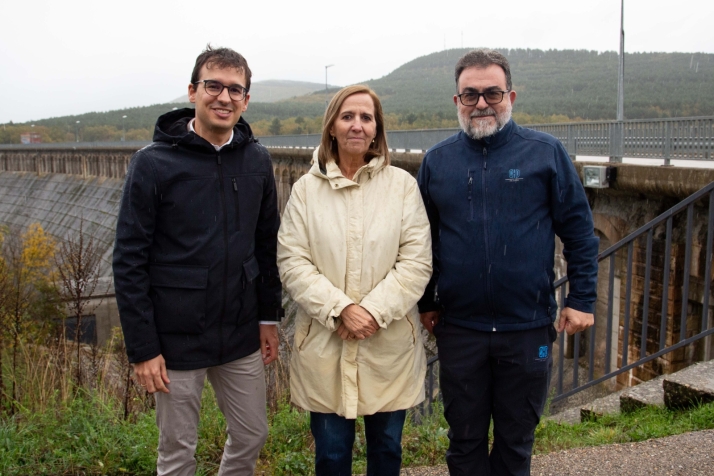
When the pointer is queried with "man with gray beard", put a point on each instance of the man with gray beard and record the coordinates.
(496, 195)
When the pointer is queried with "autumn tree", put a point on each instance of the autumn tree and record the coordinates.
(4, 299)
(78, 259)
(275, 127)
(27, 259)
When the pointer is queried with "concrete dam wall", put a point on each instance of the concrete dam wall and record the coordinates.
(61, 188)
(60, 202)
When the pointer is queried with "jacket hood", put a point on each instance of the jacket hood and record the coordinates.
(333, 174)
(494, 141)
(172, 128)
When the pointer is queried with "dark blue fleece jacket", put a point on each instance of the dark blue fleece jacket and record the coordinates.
(495, 206)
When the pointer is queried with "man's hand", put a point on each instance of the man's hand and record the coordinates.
(574, 321)
(269, 343)
(152, 375)
(358, 321)
(429, 320)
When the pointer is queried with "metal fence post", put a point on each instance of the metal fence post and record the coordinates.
(667, 142)
(571, 142)
(617, 139)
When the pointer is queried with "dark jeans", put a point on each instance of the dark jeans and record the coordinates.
(334, 436)
(493, 375)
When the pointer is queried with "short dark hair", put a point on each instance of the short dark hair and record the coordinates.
(328, 147)
(222, 58)
(483, 58)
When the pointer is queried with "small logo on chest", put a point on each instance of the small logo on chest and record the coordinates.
(514, 175)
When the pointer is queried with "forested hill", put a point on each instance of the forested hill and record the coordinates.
(552, 86)
(574, 83)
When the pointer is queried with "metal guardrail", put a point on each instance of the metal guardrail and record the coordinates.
(647, 352)
(679, 138)
(135, 145)
(600, 368)
(690, 138)
(415, 140)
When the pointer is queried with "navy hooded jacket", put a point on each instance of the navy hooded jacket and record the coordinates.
(495, 206)
(194, 258)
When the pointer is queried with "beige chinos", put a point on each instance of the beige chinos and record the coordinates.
(240, 392)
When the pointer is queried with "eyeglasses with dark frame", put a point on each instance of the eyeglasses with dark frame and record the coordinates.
(472, 98)
(215, 88)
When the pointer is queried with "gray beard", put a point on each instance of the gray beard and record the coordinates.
(484, 130)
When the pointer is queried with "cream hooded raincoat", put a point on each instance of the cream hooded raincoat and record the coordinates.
(363, 241)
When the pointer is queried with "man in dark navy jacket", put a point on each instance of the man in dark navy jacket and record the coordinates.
(496, 195)
(195, 267)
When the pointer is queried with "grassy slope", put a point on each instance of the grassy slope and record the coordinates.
(88, 436)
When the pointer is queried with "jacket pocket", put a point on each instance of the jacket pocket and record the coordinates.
(299, 338)
(178, 294)
(251, 271)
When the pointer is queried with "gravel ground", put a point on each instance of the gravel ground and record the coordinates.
(685, 454)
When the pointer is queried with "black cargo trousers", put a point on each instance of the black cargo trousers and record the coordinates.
(502, 376)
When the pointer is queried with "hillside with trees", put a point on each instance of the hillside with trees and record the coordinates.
(274, 90)
(552, 86)
(578, 84)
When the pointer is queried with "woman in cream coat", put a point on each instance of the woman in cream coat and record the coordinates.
(354, 251)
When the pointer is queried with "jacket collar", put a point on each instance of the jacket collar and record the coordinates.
(172, 128)
(492, 142)
(333, 174)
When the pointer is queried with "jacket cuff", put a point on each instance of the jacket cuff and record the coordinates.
(335, 312)
(427, 305)
(587, 307)
(143, 354)
(375, 314)
(271, 313)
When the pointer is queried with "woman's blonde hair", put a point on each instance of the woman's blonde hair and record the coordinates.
(328, 147)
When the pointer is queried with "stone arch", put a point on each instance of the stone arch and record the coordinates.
(612, 228)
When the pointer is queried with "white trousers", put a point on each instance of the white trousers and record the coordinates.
(240, 392)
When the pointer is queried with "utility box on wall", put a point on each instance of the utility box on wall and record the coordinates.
(597, 176)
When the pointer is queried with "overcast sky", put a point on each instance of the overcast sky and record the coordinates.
(76, 56)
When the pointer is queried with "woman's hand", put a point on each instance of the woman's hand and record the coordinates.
(358, 321)
(344, 333)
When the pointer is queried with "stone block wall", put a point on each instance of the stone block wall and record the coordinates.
(622, 211)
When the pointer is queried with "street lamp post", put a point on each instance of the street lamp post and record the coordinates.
(327, 97)
(618, 134)
(123, 129)
(76, 132)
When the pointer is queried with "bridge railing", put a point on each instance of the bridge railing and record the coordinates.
(658, 314)
(690, 138)
(664, 310)
(122, 146)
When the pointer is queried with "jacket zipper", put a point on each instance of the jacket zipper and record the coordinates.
(469, 193)
(237, 203)
(489, 287)
(225, 257)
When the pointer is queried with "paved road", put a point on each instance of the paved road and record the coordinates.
(687, 454)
